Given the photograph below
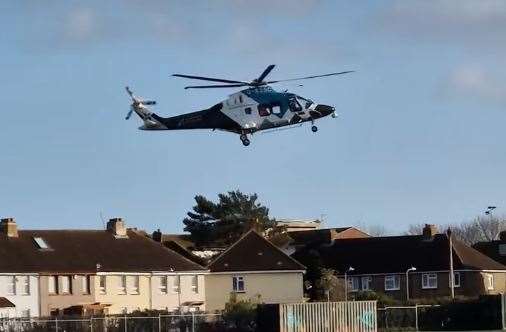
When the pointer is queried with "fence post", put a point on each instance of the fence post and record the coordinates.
(193, 322)
(91, 324)
(159, 323)
(416, 317)
(126, 328)
(56, 324)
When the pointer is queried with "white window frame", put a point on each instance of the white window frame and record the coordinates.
(395, 279)
(135, 285)
(195, 284)
(102, 287)
(85, 284)
(25, 313)
(163, 284)
(122, 288)
(11, 285)
(176, 284)
(236, 282)
(69, 285)
(367, 280)
(427, 278)
(353, 284)
(41, 243)
(52, 285)
(25, 285)
(489, 281)
(456, 280)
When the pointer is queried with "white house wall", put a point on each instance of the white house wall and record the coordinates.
(22, 302)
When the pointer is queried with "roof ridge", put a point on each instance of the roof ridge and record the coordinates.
(229, 248)
(279, 250)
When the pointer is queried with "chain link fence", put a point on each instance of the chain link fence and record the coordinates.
(192, 322)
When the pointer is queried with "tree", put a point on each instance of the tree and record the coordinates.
(240, 314)
(222, 223)
(331, 286)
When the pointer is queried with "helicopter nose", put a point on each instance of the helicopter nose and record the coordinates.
(325, 110)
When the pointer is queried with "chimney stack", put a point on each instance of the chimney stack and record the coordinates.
(157, 235)
(9, 227)
(429, 231)
(117, 227)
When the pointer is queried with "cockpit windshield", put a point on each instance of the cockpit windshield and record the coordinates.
(305, 102)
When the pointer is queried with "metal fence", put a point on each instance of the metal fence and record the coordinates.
(191, 322)
(356, 316)
(401, 318)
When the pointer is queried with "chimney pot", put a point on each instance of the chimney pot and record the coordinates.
(429, 231)
(9, 227)
(117, 227)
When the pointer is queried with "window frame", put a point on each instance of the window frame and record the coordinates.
(427, 278)
(163, 285)
(353, 283)
(489, 281)
(456, 276)
(69, 290)
(236, 282)
(86, 284)
(366, 280)
(195, 286)
(396, 281)
(11, 285)
(102, 289)
(25, 285)
(123, 285)
(176, 284)
(52, 282)
(135, 288)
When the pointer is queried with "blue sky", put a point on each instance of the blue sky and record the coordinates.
(420, 136)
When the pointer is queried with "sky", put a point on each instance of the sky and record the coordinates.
(419, 137)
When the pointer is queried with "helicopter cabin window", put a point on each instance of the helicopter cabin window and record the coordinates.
(294, 105)
(240, 99)
(276, 109)
(247, 110)
(264, 110)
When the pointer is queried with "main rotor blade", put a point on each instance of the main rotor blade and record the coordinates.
(129, 91)
(208, 79)
(215, 86)
(265, 73)
(308, 77)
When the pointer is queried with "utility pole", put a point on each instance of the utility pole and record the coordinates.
(452, 275)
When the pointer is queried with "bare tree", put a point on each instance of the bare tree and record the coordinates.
(415, 229)
(373, 230)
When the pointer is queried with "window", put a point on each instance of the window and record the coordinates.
(294, 105)
(276, 110)
(41, 243)
(353, 284)
(122, 289)
(240, 99)
(11, 285)
(456, 280)
(163, 284)
(366, 283)
(52, 284)
(102, 289)
(264, 110)
(502, 249)
(195, 284)
(238, 284)
(489, 281)
(135, 284)
(247, 110)
(25, 313)
(25, 285)
(175, 284)
(66, 285)
(429, 281)
(392, 282)
(85, 284)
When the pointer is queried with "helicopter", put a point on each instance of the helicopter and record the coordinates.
(256, 108)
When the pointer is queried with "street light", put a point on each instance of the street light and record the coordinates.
(407, 281)
(350, 269)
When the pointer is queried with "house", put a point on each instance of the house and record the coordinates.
(110, 271)
(494, 249)
(253, 268)
(381, 264)
(19, 292)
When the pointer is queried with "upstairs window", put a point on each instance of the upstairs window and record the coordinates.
(102, 289)
(52, 284)
(122, 289)
(25, 285)
(429, 280)
(85, 284)
(66, 285)
(195, 284)
(392, 282)
(353, 284)
(366, 283)
(456, 280)
(175, 284)
(41, 243)
(489, 281)
(135, 285)
(163, 284)
(238, 284)
(11, 285)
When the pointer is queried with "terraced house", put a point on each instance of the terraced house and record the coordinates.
(51, 272)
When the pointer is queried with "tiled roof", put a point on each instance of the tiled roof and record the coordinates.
(253, 252)
(325, 235)
(73, 251)
(5, 303)
(396, 254)
(491, 249)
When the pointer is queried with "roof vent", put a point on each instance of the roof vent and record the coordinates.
(117, 227)
(9, 227)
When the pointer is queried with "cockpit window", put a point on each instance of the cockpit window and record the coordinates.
(294, 105)
(305, 102)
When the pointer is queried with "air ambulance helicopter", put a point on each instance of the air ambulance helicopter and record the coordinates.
(257, 107)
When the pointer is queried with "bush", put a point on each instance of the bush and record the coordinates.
(240, 315)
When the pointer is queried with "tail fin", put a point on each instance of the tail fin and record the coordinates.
(139, 106)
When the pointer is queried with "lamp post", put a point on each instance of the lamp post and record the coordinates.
(350, 269)
(407, 281)
(452, 275)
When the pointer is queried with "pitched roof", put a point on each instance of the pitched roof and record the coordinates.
(394, 254)
(492, 249)
(325, 235)
(253, 252)
(74, 251)
(5, 303)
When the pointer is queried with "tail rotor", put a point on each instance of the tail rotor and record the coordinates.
(136, 103)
